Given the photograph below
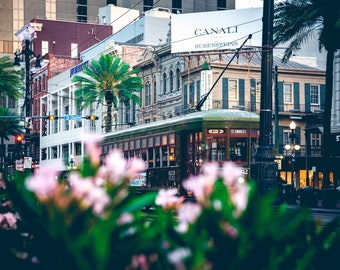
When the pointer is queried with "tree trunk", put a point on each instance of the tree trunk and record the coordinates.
(109, 102)
(327, 144)
(108, 122)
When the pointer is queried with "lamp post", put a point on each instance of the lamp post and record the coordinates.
(28, 54)
(264, 170)
(292, 147)
(72, 163)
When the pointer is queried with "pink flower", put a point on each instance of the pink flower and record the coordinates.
(167, 198)
(187, 213)
(88, 193)
(230, 173)
(125, 218)
(98, 199)
(8, 221)
(114, 167)
(211, 171)
(135, 166)
(177, 256)
(240, 198)
(45, 183)
(230, 230)
(92, 147)
(140, 262)
(200, 185)
(80, 186)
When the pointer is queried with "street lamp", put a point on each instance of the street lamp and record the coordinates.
(72, 163)
(28, 54)
(292, 146)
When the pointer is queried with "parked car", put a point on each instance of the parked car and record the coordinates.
(309, 196)
(288, 194)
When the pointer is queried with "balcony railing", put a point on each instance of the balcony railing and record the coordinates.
(314, 151)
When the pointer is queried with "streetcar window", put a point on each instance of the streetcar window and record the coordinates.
(137, 143)
(194, 151)
(172, 159)
(120, 146)
(216, 149)
(150, 141)
(238, 150)
(158, 157)
(164, 156)
(144, 155)
(164, 139)
(150, 157)
(144, 142)
(138, 153)
(172, 138)
(157, 140)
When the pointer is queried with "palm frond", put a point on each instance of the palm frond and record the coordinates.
(110, 79)
(295, 21)
(10, 79)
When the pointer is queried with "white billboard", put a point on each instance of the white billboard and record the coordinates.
(216, 30)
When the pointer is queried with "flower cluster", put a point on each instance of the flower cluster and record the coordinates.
(8, 221)
(96, 221)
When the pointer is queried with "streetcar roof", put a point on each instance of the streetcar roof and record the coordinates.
(206, 115)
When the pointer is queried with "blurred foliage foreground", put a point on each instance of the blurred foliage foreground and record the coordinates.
(90, 220)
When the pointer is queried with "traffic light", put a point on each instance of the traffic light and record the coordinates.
(91, 117)
(52, 117)
(18, 144)
(19, 138)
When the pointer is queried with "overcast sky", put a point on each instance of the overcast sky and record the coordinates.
(248, 3)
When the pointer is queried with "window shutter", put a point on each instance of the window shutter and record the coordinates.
(296, 96)
(241, 92)
(307, 97)
(225, 103)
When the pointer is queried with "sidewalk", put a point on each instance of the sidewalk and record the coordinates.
(319, 208)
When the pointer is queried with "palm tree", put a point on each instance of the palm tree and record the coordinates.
(10, 79)
(9, 126)
(295, 21)
(108, 79)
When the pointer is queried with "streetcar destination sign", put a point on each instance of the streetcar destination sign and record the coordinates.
(216, 131)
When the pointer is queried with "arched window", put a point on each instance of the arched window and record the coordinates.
(39, 85)
(178, 79)
(147, 94)
(154, 92)
(171, 78)
(164, 83)
(44, 83)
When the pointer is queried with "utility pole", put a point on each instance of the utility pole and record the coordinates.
(264, 170)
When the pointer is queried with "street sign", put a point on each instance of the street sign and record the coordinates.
(73, 117)
(27, 162)
(19, 165)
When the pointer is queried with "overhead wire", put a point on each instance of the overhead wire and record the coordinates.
(140, 16)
